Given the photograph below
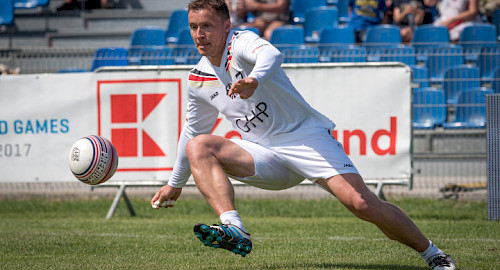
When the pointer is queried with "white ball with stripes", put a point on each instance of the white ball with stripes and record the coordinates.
(93, 160)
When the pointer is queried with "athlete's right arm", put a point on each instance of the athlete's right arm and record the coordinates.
(201, 118)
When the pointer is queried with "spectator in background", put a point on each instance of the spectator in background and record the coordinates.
(84, 4)
(365, 14)
(237, 12)
(407, 15)
(488, 8)
(269, 14)
(456, 15)
(430, 11)
(390, 11)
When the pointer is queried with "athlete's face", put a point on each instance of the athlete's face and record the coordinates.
(209, 33)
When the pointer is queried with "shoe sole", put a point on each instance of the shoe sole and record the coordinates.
(211, 238)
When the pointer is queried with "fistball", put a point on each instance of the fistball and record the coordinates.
(93, 160)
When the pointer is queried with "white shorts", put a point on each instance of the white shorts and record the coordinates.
(286, 161)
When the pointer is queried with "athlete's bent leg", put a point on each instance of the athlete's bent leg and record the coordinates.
(351, 190)
(212, 158)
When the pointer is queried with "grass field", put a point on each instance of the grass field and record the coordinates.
(287, 234)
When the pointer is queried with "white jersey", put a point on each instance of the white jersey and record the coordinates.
(275, 108)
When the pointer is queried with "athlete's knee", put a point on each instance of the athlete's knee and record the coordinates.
(199, 147)
(367, 207)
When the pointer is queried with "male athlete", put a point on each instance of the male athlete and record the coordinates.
(284, 139)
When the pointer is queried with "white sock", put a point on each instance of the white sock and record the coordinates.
(430, 252)
(232, 217)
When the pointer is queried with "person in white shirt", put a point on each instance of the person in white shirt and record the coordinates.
(284, 140)
(456, 15)
(237, 12)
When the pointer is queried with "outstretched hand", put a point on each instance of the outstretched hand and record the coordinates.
(165, 197)
(244, 87)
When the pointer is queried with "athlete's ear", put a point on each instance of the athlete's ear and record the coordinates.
(227, 26)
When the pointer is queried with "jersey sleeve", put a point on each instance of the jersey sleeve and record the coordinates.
(266, 58)
(201, 118)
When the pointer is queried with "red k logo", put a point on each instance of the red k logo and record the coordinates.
(142, 118)
(124, 110)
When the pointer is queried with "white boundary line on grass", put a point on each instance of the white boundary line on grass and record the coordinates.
(357, 238)
(341, 238)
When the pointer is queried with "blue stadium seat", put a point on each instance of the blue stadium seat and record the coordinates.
(298, 9)
(400, 53)
(318, 19)
(458, 79)
(478, 33)
(420, 76)
(470, 109)
(149, 36)
(185, 52)
(474, 37)
(177, 21)
(288, 36)
(30, 4)
(289, 39)
(156, 56)
(339, 35)
(109, 57)
(337, 45)
(489, 60)
(186, 56)
(383, 34)
(342, 53)
(343, 7)
(304, 54)
(185, 38)
(495, 20)
(439, 58)
(429, 108)
(7, 13)
(43, 3)
(250, 17)
(379, 38)
(426, 35)
(391, 53)
(495, 81)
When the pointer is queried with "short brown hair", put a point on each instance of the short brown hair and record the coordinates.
(219, 6)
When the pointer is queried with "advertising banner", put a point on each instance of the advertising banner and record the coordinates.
(142, 111)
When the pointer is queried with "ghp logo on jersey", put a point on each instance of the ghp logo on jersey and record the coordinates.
(142, 118)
